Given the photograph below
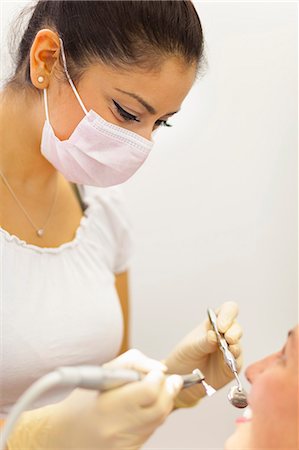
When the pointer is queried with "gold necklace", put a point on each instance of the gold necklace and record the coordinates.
(39, 231)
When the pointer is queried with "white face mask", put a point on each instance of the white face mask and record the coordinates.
(98, 153)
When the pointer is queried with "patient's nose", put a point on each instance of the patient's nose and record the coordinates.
(257, 368)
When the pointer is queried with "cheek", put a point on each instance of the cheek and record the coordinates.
(65, 111)
(272, 396)
(274, 400)
(241, 438)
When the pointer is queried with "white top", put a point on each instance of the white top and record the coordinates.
(59, 306)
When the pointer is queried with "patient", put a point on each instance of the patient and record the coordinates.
(273, 401)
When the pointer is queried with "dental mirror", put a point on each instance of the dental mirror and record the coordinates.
(237, 394)
(237, 397)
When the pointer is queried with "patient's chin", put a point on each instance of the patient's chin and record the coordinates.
(240, 439)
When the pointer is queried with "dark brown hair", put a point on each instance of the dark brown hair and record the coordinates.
(119, 33)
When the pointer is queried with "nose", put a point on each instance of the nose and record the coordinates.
(147, 134)
(257, 368)
(145, 131)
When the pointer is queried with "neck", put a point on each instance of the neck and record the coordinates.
(22, 118)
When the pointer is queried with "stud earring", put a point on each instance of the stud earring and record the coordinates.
(40, 79)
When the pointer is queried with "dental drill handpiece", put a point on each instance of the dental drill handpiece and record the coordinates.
(197, 377)
(114, 380)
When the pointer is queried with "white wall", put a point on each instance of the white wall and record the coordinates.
(214, 208)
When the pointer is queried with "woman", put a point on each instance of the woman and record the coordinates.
(93, 81)
(274, 401)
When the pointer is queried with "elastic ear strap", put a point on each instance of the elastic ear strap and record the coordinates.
(46, 105)
(69, 78)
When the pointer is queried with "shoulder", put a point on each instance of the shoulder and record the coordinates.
(112, 201)
(93, 193)
(109, 205)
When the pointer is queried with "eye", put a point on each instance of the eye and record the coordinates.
(162, 123)
(125, 114)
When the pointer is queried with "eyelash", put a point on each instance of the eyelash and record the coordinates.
(124, 114)
(163, 123)
(130, 117)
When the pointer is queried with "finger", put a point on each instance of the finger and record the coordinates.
(212, 339)
(135, 397)
(239, 362)
(226, 316)
(139, 394)
(158, 411)
(208, 343)
(236, 350)
(136, 360)
(148, 390)
(233, 334)
(173, 385)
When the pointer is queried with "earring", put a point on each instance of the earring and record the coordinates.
(40, 79)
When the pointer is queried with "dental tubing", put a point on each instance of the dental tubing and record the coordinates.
(86, 377)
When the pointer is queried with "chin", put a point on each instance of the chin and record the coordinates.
(240, 439)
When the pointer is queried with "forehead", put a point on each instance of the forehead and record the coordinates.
(164, 87)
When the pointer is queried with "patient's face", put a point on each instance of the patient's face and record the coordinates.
(274, 402)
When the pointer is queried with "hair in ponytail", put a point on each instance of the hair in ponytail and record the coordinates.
(118, 33)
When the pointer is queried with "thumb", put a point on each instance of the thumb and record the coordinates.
(174, 384)
(226, 315)
(208, 342)
(145, 392)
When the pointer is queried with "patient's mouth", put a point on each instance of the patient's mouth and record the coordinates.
(246, 417)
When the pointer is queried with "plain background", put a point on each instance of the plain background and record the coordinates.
(214, 209)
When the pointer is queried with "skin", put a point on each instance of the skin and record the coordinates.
(122, 287)
(274, 401)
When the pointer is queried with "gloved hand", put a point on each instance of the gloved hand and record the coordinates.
(122, 418)
(199, 349)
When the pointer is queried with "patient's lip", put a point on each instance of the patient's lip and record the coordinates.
(247, 415)
(242, 420)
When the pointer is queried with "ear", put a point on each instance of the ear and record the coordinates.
(44, 53)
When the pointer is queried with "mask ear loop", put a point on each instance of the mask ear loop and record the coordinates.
(69, 78)
(71, 83)
(46, 105)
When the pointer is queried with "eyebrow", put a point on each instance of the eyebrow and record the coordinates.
(149, 108)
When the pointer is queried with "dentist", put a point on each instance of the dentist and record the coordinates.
(93, 80)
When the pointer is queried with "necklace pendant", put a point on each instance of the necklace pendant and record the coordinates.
(40, 232)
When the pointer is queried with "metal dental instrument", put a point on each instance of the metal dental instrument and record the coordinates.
(197, 377)
(237, 395)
